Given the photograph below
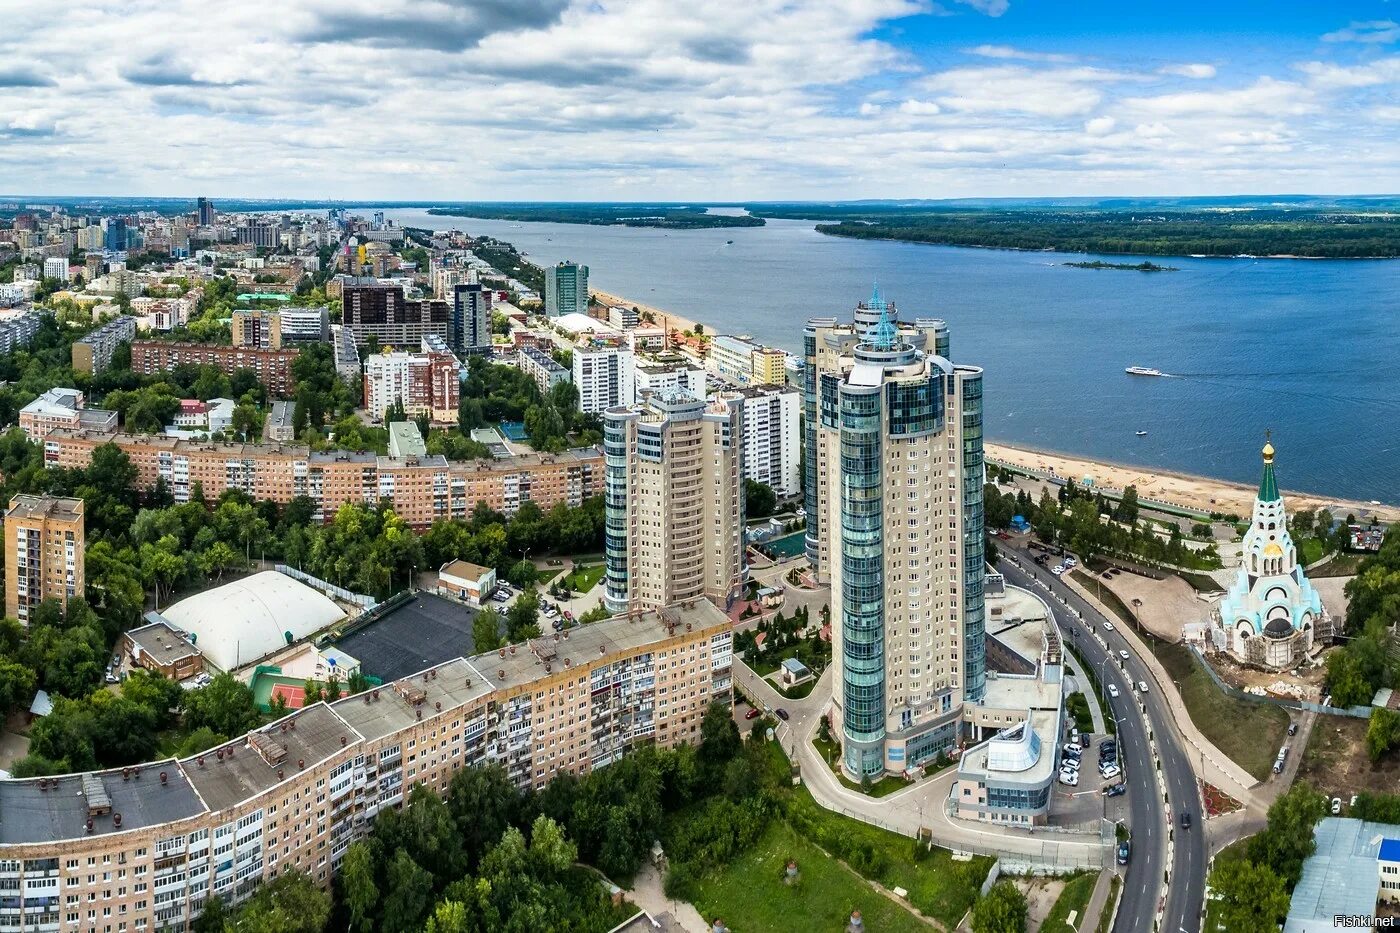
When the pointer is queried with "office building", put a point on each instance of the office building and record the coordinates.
(259, 328)
(470, 332)
(623, 317)
(742, 361)
(162, 649)
(305, 325)
(373, 309)
(604, 374)
(273, 367)
(115, 237)
(565, 289)
(64, 408)
(92, 352)
(205, 208)
(424, 383)
(894, 512)
(421, 489)
(674, 502)
(667, 377)
(541, 367)
(56, 267)
(44, 548)
(298, 792)
(260, 235)
(772, 437)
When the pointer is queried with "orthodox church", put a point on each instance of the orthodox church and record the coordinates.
(1271, 614)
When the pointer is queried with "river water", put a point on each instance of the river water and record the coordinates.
(1307, 348)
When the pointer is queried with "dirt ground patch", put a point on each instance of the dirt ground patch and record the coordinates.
(13, 747)
(1309, 680)
(1331, 589)
(1041, 895)
(1166, 604)
(1335, 761)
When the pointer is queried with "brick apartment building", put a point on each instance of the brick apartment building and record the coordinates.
(425, 383)
(274, 367)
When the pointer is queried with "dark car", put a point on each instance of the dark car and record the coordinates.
(1124, 851)
(1115, 790)
(782, 714)
(1185, 820)
(752, 713)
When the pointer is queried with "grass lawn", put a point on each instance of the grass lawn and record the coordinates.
(547, 574)
(1343, 565)
(800, 692)
(1092, 677)
(1249, 733)
(751, 897)
(582, 579)
(1200, 582)
(1075, 897)
(1310, 550)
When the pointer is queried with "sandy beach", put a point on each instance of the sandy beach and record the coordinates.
(1202, 493)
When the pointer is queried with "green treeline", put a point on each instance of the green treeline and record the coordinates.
(1255, 232)
(671, 217)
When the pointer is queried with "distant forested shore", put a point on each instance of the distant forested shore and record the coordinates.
(1316, 234)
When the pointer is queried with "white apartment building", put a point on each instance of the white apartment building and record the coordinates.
(674, 502)
(773, 437)
(605, 374)
(56, 267)
(894, 509)
(685, 378)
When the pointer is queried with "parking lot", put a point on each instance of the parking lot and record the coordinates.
(1086, 802)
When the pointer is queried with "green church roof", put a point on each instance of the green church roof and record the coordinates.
(1268, 485)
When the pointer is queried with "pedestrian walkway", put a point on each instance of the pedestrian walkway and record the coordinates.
(649, 893)
(1098, 900)
(1080, 683)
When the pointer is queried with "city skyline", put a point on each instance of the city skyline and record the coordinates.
(575, 101)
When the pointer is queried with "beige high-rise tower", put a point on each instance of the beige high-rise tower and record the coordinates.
(674, 497)
(894, 521)
(44, 547)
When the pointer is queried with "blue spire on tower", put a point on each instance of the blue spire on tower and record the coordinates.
(883, 335)
(877, 303)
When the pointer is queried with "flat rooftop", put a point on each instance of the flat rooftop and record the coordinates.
(1021, 693)
(521, 664)
(45, 507)
(424, 632)
(58, 809)
(974, 761)
(1340, 877)
(309, 735)
(387, 709)
(161, 641)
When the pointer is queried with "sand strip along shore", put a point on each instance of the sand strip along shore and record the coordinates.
(1200, 493)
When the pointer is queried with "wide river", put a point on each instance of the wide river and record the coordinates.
(1307, 348)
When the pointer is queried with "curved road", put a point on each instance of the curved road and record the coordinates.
(1152, 823)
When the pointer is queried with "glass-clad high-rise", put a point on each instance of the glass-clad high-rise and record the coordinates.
(894, 510)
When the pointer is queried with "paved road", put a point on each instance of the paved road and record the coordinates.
(1151, 822)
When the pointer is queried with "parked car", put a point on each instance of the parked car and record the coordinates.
(1292, 728)
(1085, 740)
(1125, 850)
(1113, 690)
(112, 678)
(203, 679)
(1069, 764)
(1142, 686)
(1109, 771)
(1057, 570)
(1336, 805)
(1116, 790)
(1071, 562)
(752, 713)
(1069, 778)
(1186, 818)
(782, 714)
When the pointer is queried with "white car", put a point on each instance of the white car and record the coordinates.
(1069, 778)
(1069, 764)
(1142, 686)
(1108, 626)
(1057, 570)
(1336, 805)
(1071, 562)
(1123, 654)
(1113, 690)
(1109, 772)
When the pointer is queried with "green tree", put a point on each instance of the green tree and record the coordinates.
(1002, 910)
(759, 499)
(1252, 898)
(1288, 838)
(358, 892)
(409, 891)
(483, 802)
(486, 631)
(1382, 733)
(289, 903)
(523, 573)
(522, 618)
(225, 705)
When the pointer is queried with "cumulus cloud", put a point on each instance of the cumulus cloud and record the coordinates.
(1327, 75)
(1372, 31)
(922, 108)
(1058, 92)
(1190, 70)
(1265, 96)
(442, 25)
(1100, 126)
(1007, 51)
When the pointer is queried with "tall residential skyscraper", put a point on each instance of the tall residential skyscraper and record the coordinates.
(565, 289)
(604, 374)
(44, 547)
(674, 501)
(205, 207)
(894, 511)
(470, 331)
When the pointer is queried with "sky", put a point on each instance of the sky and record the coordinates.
(616, 100)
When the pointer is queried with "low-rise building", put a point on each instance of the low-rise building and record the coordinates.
(405, 440)
(347, 355)
(64, 408)
(279, 428)
(421, 489)
(162, 649)
(1343, 876)
(468, 582)
(92, 352)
